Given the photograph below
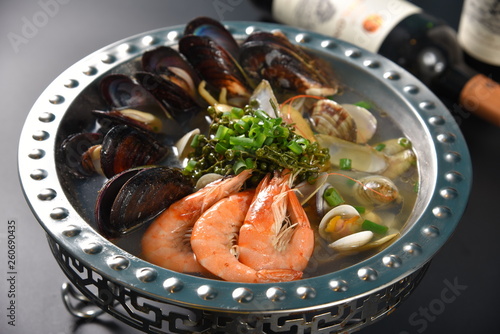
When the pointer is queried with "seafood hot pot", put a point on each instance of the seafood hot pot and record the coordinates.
(157, 300)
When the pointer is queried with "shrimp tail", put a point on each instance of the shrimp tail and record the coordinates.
(278, 275)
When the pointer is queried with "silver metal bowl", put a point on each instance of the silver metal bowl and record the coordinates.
(158, 300)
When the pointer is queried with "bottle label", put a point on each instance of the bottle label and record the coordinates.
(479, 30)
(365, 23)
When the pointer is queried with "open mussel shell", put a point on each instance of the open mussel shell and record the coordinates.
(179, 103)
(171, 66)
(208, 27)
(133, 117)
(136, 196)
(264, 56)
(73, 149)
(125, 147)
(217, 67)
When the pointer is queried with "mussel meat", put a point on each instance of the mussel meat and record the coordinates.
(74, 150)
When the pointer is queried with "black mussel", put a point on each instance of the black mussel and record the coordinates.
(136, 196)
(213, 29)
(75, 152)
(133, 117)
(226, 80)
(126, 147)
(172, 66)
(121, 91)
(180, 103)
(272, 57)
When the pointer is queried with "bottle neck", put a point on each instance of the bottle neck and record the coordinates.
(428, 48)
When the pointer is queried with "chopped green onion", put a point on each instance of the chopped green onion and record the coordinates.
(363, 104)
(374, 227)
(405, 142)
(243, 141)
(219, 148)
(415, 187)
(295, 148)
(237, 113)
(345, 164)
(221, 133)
(380, 147)
(191, 165)
(261, 114)
(360, 209)
(195, 142)
(239, 166)
(242, 126)
(332, 197)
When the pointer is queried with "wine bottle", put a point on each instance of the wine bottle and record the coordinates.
(402, 32)
(479, 35)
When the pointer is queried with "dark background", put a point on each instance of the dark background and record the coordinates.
(469, 259)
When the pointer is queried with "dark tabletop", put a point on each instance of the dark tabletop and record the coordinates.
(71, 30)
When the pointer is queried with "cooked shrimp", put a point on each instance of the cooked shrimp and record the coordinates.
(166, 241)
(276, 233)
(213, 238)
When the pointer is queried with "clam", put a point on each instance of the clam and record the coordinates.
(263, 98)
(399, 163)
(125, 147)
(376, 190)
(207, 179)
(330, 118)
(363, 157)
(305, 190)
(136, 196)
(366, 123)
(352, 241)
(339, 222)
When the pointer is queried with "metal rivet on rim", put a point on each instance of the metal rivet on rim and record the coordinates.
(41, 135)
(46, 117)
(47, 194)
(149, 40)
(448, 193)
(306, 292)
(453, 177)
(275, 294)
(242, 295)
(412, 248)
(71, 83)
(89, 70)
(118, 262)
(173, 36)
(302, 38)
(173, 285)
(430, 231)
(92, 248)
(146, 275)
(371, 63)
(367, 274)
(427, 105)
(392, 75)
(38, 174)
(452, 157)
(436, 120)
(446, 137)
(71, 231)
(250, 29)
(107, 59)
(36, 154)
(125, 47)
(391, 261)
(411, 89)
(59, 213)
(338, 285)
(206, 292)
(328, 44)
(353, 53)
(56, 99)
(441, 212)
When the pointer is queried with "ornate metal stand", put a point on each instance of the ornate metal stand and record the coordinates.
(101, 294)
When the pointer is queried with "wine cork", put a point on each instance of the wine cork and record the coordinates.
(481, 96)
